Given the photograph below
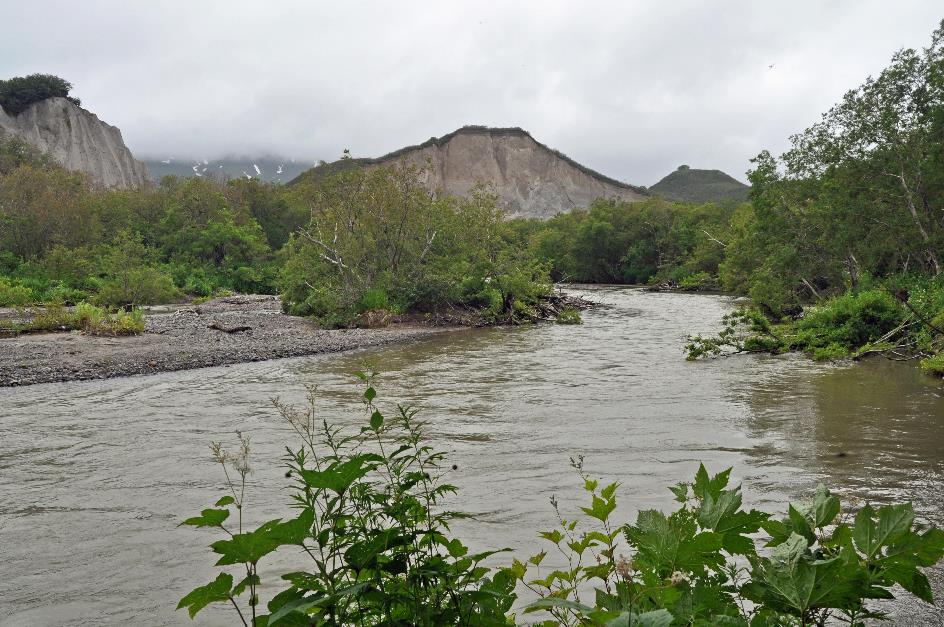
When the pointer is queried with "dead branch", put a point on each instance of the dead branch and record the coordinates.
(217, 327)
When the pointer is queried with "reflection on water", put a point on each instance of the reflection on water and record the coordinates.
(94, 476)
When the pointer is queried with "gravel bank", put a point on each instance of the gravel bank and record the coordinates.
(185, 339)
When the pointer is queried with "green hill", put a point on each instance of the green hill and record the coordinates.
(689, 185)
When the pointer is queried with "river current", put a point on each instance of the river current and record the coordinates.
(95, 476)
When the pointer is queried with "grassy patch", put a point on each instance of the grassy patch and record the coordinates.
(87, 318)
(934, 365)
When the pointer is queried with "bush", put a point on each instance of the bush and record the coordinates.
(569, 316)
(369, 513)
(137, 286)
(85, 317)
(16, 94)
(934, 365)
(700, 564)
(373, 299)
(700, 281)
(15, 295)
(849, 321)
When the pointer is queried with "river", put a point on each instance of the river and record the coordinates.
(96, 475)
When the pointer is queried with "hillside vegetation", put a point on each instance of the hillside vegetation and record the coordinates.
(690, 185)
(18, 93)
(347, 250)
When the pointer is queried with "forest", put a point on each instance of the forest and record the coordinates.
(839, 247)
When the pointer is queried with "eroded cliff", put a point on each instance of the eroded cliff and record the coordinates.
(78, 140)
(530, 179)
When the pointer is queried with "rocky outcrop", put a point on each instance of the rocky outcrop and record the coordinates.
(530, 179)
(77, 140)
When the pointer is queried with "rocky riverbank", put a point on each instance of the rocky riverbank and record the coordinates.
(223, 331)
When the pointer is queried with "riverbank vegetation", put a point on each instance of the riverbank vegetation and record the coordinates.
(85, 317)
(371, 544)
(840, 247)
(347, 250)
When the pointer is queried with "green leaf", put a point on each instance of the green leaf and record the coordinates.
(656, 618)
(215, 591)
(376, 420)
(825, 507)
(246, 581)
(551, 602)
(537, 558)
(792, 581)
(680, 490)
(894, 523)
(226, 500)
(370, 394)
(208, 518)
(667, 544)
(301, 605)
(456, 548)
(800, 524)
(554, 536)
(700, 487)
(339, 476)
(248, 547)
(609, 491)
(600, 508)
(362, 554)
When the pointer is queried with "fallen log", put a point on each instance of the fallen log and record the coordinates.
(217, 327)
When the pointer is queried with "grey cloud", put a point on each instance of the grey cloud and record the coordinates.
(632, 89)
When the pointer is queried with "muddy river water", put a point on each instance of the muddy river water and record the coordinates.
(95, 476)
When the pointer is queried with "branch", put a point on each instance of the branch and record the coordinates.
(713, 238)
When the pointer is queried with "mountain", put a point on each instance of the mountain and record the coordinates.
(269, 168)
(78, 140)
(530, 179)
(688, 185)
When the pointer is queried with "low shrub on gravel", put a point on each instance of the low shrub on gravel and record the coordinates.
(86, 317)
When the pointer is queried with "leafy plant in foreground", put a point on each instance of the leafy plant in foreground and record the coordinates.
(370, 522)
(700, 564)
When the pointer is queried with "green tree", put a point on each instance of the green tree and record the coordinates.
(18, 93)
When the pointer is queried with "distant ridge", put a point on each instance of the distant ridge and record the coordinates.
(531, 179)
(271, 168)
(691, 185)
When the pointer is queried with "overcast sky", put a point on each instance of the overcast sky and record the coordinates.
(632, 89)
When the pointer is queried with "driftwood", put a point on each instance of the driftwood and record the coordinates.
(217, 327)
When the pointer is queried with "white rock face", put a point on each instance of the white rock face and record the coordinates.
(531, 179)
(77, 140)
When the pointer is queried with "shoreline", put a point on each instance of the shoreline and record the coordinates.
(188, 338)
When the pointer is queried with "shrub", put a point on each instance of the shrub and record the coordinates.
(569, 316)
(743, 330)
(85, 317)
(138, 286)
(97, 321)
(699, 281)
(18, 93)
(700, 565)
(370, 514)
(849, 321)
(934, 365)
(15, 295)
(374, 298)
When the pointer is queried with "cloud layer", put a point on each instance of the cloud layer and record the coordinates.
(632, 89)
